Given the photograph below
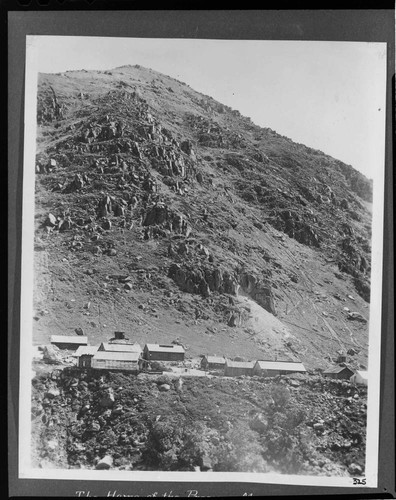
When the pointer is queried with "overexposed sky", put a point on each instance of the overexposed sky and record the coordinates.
(327, 95)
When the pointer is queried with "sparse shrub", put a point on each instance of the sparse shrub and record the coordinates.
(173, 445)
(239, 452)
(163, 379)
(280, 394)
(160, 367)
(284, 443)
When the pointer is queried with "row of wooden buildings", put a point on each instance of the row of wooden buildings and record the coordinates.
(119, 354)
(266, 368)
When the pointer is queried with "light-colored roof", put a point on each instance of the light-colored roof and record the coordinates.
(89, 350)
(281, 365)
(240, 364)
(215, 359)
(165, 348)
(362, 373)
(68, 339)
(121, 347)
(117, 356)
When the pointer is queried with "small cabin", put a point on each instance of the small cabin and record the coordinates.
(238, 368)
(68, 341)
(213, 363)
(360, 377)
(339, 372)
(274, 368)
(128, 361)
(115, 347)
(163, 352)
(119, 335)
(84, 355)
(342, 357)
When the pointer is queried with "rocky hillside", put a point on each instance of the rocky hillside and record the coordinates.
(297, 425)
(166, 214)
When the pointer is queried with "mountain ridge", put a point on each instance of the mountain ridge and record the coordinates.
(223, 214)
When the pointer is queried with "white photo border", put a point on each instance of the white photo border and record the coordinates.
(26, 315)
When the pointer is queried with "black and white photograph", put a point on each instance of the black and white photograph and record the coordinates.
(202, 260)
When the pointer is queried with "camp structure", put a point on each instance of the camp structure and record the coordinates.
(213, 363)
(128, 361)
(339, 372)
(163, 352)
(360, 377)
(237, 368)
(115, 347)
(68, 341)
(119, 335)
(273, 368)
(119, 338)
(84, 355)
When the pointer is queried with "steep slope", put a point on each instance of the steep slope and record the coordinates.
(164, 213)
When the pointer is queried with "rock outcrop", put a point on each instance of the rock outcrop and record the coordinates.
(203, 281)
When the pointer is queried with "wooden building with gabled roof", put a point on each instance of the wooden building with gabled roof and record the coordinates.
(213, 362)
(272, 368)
(339, 372)
(128, 361)
(69, 341)
(116, 347)
(163, 352)
(238, 368)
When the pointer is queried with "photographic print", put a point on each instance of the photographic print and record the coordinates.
(202, 260)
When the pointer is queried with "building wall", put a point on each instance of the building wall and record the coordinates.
(216, 366)
(344, 374)
(236, 372)
(164, 356)
(110, 364)
(211, 366)
(84, 361)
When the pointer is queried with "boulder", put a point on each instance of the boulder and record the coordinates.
(105, 463)
(233, 321)
(51, 220)
(118, 410)
(355, 469)
(79, 331)
(52, 393)
(259, 423)
(51, 355)
(94, 427)
(107, 400)
(106, 224)
(164, 388)
(186, 147)
(157, 215)
(344, 204)
(52, 444)
(356, 316)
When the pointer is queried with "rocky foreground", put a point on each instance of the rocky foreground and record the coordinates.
(300, 424)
